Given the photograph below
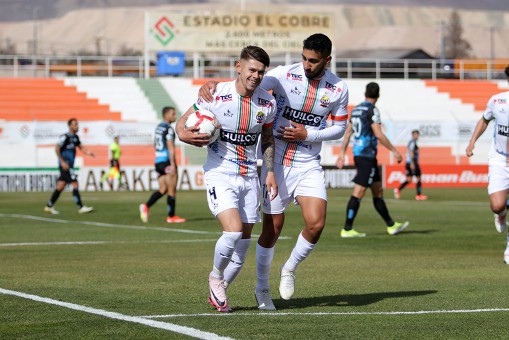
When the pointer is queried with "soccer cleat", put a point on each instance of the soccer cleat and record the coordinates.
(396, 193)
(264, 300)
(506, 256)
(500, 223)
(144, 213)
(287, 284)
(51, 210)
(217, 296)
(397, 228)
(84, 209)
(421, 197)
(175, 219)
(352, 233)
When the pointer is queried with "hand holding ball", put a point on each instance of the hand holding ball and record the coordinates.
(206, 121)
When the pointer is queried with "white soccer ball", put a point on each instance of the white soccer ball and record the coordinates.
(207, 123)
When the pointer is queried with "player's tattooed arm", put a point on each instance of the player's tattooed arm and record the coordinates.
(268, 147)
(268, 150)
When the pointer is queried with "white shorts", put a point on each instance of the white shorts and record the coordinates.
(293, 182)
(498, 176)
(234, 191)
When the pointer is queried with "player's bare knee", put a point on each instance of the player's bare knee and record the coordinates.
(315, 228)
(498, 208)
(268, 239)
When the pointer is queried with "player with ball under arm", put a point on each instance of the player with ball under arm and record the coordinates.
(245, 111)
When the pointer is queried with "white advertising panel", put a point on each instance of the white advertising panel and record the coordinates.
(90, 133)
(198, 31)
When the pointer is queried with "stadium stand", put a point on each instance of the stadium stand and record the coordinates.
(27, 99)
(414, 100)
(121, 94)
(410, 102)
(472, 92)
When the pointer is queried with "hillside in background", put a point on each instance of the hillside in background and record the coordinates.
(108, 27)
(19, 10)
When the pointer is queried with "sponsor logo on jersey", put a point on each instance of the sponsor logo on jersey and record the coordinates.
(298, 143)
(227, 114)
(332, 87)
(225, 98)
(243, 139)
(500, 101)
(264, 102)
(241, 162)
(302, 117)
(295, 91)
(357, 111)
(294, 76)
(503, 130)
(259, 117)
(324, 101)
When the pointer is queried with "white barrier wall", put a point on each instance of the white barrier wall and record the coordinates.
(31, 144)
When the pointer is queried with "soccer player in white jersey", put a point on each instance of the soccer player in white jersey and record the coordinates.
(244, 111)
(306, 94)
(498, 160)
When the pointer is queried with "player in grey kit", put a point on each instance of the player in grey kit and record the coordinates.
(66, 153)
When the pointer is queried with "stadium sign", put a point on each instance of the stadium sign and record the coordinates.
(196, 31)
(441, 176)
(339, 178)
(140, 179)
(89, 178)
(192, 178)
(28, 179)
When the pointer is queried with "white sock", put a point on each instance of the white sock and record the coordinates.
(264, 258)
(299, 253)
(225, 246)
(237, 260)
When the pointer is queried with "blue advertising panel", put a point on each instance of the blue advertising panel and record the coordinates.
(170, 63)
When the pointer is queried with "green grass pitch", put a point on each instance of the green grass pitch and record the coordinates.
(443, 278)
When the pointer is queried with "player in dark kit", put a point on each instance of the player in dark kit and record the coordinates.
(66, 153)
(365, 125)
(412, 168)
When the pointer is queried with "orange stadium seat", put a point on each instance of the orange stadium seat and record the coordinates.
(428, 155)
(132, 155)
(27, 99)
(201, 81)
(474, 92)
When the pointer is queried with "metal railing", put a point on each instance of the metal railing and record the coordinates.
(205, 66)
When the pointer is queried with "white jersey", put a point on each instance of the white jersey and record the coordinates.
(241, 119)
(308, 102)
(498, 109)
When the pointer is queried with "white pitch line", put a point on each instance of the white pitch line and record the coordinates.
(21, 244)
(112, 315)
(110, 225)
(487, 310)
